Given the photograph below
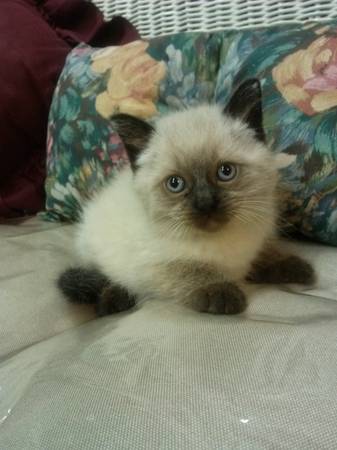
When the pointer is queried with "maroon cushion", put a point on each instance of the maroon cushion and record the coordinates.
(35, 38)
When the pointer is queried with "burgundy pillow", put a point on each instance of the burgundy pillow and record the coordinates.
(35, 38)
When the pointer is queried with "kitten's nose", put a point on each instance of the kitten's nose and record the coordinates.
(205, 202)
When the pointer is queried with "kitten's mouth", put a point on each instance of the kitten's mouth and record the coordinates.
(208, 223)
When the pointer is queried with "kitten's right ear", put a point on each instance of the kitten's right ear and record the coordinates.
(135, 134)
(246, 105)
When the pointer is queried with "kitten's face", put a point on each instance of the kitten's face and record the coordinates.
(203, 171)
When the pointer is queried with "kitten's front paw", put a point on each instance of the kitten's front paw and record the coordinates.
(114, 299)
(291, 269)
(224, 298)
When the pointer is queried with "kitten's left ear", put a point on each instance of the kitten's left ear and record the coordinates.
(135, 134)
(246, 104)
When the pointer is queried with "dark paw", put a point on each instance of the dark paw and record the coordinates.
(114, 299)
(225, 298)
(82, 284)
(296, 270)
(291, 269)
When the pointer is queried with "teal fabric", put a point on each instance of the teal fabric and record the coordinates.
(297, 67)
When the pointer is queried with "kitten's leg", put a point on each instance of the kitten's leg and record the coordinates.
(220, 298)
(82, 285)
(114, 299)
(275, 266)
(91, 286)
(205, 289)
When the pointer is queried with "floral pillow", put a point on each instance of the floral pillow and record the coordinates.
(297, 68)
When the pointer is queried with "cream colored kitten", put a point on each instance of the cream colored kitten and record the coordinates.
(190, 219)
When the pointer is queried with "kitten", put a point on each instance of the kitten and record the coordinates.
(191, 218)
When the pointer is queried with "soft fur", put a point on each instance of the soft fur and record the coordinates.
(197, 246)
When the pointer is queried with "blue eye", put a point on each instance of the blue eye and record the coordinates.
(226, 172)
(175, 184)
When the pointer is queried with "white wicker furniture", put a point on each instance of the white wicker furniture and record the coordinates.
(158, 17)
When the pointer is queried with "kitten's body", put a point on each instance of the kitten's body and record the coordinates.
(197, 245)
(130, 249)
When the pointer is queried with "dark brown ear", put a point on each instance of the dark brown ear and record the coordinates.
(135, 134)
(246, 104)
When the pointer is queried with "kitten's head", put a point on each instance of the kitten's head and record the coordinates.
(203, 169)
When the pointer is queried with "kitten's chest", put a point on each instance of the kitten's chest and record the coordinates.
(231, 254)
